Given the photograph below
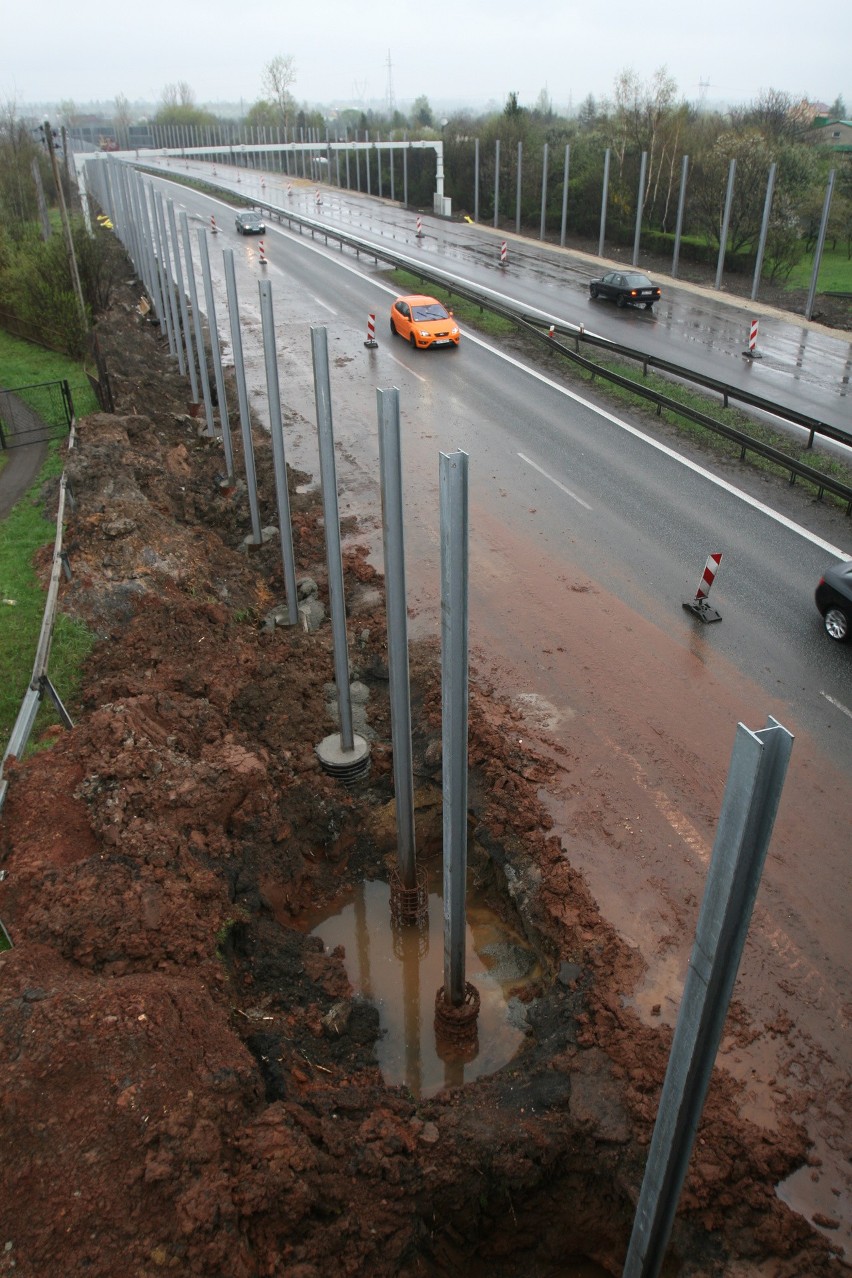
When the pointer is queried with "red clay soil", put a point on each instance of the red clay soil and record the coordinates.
(188, 1082)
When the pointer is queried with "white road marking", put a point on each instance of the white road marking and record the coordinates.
(323, 304)
(573, 496)
(838, 704)
(408, 370)
(669, 452)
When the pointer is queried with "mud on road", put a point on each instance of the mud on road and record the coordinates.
(188, 1079)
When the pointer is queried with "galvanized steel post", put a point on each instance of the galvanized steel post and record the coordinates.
(453, 473)
(161, 268)
(196, 321)
(826, 208)
(276, 427)
(681, 204)
(213, 325)
(518, 189)
(476, 181)
(543, 191)
(331, 516)
(726, 218)
(752, 794)
(242, 393)
(496, 180)
(393, 536)
(184, 310)
(640, 205)
(170, 281)
(565, 196)
(604, 191)
(764, 230)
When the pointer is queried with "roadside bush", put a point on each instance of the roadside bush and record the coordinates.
(37, 290)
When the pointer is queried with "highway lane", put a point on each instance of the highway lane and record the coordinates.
(646, 521)
(585, 538)
(802, 364)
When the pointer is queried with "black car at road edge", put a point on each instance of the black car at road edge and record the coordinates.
(833, 598)
(626, 288)
(249, 224)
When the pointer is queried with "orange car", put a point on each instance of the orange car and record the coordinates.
(423, 321)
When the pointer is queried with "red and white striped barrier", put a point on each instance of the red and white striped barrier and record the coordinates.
(752, 352)
(318, 199)
(371, 332)
(503, 253)
(419, 229)
(700, 604)
(710, 570)
(262, 254)
(289, 188)
(214, 230)
(551, 332)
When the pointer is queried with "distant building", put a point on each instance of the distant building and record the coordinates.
(836, 134)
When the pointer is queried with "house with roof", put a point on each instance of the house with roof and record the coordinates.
(836, 134)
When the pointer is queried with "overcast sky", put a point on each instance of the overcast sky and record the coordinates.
(467, 51)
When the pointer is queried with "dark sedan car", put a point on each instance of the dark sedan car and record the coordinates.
(626, 288)
(834, 600)
(250, 224)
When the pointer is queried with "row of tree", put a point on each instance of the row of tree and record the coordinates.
(37, 292)
(647, 118)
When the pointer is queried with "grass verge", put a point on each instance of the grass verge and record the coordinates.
(22, 598)
(835, 272)
(24, 364)
(29, 527)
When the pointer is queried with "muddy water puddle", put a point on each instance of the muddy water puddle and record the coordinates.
(400, 969)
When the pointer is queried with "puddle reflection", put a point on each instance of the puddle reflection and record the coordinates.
(401, 969)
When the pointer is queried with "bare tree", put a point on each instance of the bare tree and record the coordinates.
(647, 118)
(278, 76)
(17, 152)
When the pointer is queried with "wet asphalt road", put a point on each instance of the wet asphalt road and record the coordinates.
(802, 365)
(633, 516)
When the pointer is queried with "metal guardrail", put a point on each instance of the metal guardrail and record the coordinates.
(40, 681)
(531, 326)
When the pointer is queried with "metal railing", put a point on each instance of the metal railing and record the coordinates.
(35, 414)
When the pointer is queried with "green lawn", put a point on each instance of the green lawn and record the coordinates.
(24, 364)
(835, 272)
(30, 526)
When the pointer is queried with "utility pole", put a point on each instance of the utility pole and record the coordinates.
(66, 228)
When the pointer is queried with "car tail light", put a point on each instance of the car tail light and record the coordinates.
(633, 292)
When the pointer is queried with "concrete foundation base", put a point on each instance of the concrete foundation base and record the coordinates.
(346, 765)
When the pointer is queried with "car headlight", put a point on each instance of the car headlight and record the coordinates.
(454, 329)
(424, 332)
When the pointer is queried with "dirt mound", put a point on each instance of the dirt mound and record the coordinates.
(188, 1082)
